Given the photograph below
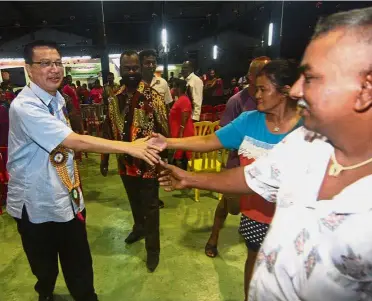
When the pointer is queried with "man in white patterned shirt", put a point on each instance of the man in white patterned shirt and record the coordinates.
(320, 176)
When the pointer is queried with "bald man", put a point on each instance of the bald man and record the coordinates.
(318, 246)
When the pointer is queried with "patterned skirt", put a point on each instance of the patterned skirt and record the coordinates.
(253, 232)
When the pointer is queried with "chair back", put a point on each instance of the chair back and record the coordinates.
(201, 128)
(206, 117)
(209, 159)
(220, 108)
(224, 157)
(218, 111)
(206, 109)
(214, 126)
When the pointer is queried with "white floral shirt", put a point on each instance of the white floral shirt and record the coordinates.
(315, 250)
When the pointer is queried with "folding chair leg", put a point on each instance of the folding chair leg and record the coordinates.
(197, 195)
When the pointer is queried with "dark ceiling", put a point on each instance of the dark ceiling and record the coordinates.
(124, 20)
(138, 23)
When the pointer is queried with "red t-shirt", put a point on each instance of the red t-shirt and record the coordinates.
(235, 90)
(96, 95)
(219, 88)
(70, 92)
(253, 205)
(183, 104)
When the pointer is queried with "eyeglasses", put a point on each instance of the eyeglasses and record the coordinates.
(49, 64)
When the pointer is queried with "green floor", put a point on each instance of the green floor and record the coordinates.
(184, 272)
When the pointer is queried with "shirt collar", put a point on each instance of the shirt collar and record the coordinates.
(47, 98)
(155, 81)
(190, 75)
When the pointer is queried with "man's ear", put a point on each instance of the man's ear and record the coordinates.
(364, 100)
(28, 69)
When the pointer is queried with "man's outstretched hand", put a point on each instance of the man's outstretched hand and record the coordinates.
(172, 177)
(158, 140)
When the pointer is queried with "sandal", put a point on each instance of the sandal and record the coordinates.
(211, 250)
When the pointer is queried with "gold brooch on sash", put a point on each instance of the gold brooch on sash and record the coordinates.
(58, 158)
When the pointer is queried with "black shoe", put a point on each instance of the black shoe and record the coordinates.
(47, 298)
(152, 261)
(161, 204)
(133, 237)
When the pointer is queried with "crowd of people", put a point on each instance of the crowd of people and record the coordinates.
(299, 171)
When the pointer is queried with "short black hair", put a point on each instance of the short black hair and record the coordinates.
(128, 53)
(357, 19)
(110, 73)
(28, 51)
(146, 53)
(281, 73)
(180, 84)
(190, 64)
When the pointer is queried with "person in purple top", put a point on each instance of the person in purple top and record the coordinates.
(238, 103)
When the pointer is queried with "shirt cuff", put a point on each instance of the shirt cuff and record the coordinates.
(251, 173)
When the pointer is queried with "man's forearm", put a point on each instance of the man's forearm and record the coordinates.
(196, 143)
(229, 181)
(86, 143)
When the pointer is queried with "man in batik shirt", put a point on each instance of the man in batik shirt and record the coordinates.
(136, 111)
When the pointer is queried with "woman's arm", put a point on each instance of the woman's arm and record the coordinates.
(185, 116)
(196, 143)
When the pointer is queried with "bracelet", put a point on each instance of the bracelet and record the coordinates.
(182, 126)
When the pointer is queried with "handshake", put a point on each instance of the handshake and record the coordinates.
(148, 149)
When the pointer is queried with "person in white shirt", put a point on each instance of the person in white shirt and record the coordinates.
(195, 88)
(320, 176)
(160, 85)
(243, 82)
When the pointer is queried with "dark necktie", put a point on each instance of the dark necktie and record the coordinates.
(50, 108)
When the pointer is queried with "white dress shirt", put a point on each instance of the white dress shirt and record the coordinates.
(196, 88)
(314, 250)
(161, 86)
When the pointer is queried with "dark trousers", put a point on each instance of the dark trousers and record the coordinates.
(144, 202)
(44, 242)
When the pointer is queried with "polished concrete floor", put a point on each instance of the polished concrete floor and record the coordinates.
(184, 272)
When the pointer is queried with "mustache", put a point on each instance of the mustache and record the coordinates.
(303, 104)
